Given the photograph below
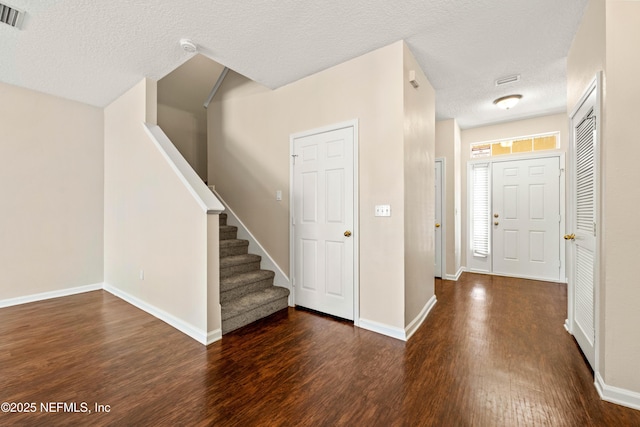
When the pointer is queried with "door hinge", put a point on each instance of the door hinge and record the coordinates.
(594, 229)
(294, 158)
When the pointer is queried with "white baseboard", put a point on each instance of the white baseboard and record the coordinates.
(397, 333)
(383, 329)
(49, 295)
(456, 276)
(184, 327)
(415, 323)
(267, 263)
(619, 396)
(213, 336)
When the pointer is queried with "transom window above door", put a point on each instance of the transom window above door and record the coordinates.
(517, 145)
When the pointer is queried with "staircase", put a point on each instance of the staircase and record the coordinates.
(247, 293)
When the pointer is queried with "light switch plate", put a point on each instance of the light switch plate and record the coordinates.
(383, 210)
(279, 195)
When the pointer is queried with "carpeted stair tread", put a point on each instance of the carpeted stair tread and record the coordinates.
(228, 232)
(228, 228)
(241, 279)
(233, 242)
(233, 247)
(253, 302)
(230, 261)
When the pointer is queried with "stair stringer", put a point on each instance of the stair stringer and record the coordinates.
(267, 263)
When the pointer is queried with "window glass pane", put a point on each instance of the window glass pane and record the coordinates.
(480, 210)
(480, 150)
(498, 148)
(544, 143)
(521, 146)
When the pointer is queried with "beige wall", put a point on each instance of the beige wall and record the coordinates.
(587, 54)
(419, 189)
(188, 132)
(51, 175)
(448, 148)
(620, 308)
(152, 222)
(181, 113)
(544, 124)
(249, 159)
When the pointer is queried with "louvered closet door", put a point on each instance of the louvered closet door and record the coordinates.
(584, 221)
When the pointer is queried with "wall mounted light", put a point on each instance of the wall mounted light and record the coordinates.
(507, 102)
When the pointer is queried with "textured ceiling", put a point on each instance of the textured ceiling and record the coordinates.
(93, 51)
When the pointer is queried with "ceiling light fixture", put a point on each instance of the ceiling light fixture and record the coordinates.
(507, 102)
(188, 46)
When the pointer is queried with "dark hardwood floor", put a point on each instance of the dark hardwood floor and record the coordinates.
(493, 352)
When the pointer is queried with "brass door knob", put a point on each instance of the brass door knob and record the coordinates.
(570, 236)
(347, 233)
(437, 225)
(496, 215)
(496, 223)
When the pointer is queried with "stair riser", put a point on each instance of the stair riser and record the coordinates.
(234, 250)
(243, 319)
(243, 290)
(240, 268)
(230, 234)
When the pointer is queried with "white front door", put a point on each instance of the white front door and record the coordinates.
(582, 254)
(526, 218)
(323, 221)
(438, 220)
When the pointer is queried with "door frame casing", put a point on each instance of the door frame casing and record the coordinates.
(443, 216)
(562, 205)
(356, 226)
(594, 85)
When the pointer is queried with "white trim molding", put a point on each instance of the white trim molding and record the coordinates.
(619, 396)
(213, 336)
(49, 295)
(197, 334)
(189, 178)
(417, 322)
(397, 333)
(456, 276)
(381, 328)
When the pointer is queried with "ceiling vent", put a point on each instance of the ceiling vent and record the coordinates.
(11, 16)
(509, 79)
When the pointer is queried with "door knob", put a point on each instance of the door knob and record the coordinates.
(347, 233)
(496, 215)
(496, 223)
(437, 225)
(569, 236)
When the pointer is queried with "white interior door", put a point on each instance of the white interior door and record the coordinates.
(582, 255)
(438, 218)
(526, 218)
(323, 221)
